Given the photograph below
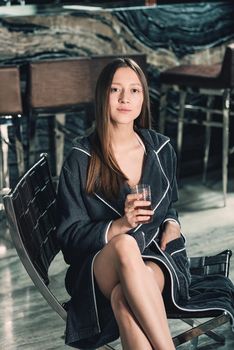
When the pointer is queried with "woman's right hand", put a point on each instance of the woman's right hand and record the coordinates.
(134, 214)
(135, 210)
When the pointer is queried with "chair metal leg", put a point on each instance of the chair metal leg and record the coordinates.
(31, 146)
(60, 119)
(182, 100)
(210, 101)
(219, 338)
(1, 161)
(200, 329)
(51, 122)
(162, 108)
(19, 148)
(226, 113)
(5, 176)
(19, 156)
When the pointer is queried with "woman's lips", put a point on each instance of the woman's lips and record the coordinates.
(123, 110)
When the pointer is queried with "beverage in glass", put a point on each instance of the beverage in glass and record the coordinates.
(145, 191)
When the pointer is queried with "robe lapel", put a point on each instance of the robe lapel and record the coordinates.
(154, 175)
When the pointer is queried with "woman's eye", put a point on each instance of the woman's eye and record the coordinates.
(114, 89)
(135, 90)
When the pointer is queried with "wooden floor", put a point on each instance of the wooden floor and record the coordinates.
(27, 323)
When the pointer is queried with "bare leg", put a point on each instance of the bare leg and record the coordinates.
(131, 334)
(120, 261)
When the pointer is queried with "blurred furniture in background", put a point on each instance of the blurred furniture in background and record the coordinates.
(31, 213)
(193, 82)
(10, 115)
(54, 88)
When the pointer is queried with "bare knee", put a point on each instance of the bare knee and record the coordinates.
(112, 259)
(125, 249)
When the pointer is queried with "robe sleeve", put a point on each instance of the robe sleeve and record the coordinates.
(172, 213)
(78, 235)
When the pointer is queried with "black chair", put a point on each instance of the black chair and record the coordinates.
(31, 213)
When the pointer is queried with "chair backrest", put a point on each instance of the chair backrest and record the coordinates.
(59, 83)
(227, 70)
(218, 264)
(68, 82)
(31, 213)
(10, 95)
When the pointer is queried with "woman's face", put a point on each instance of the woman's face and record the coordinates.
(126, 96)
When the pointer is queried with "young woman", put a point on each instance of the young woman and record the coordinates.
(123, 269)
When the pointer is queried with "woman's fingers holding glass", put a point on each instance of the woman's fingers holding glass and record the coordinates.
(135, 219)
(138, 205)
(138, 213)
(140, 219)
(130, 217)
(143, 215)
(131, 202)
(133, 197)
(143, 211)
(136, 199)
(142, 204)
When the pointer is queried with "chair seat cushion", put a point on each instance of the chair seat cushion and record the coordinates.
(200, 76)
(209, 296)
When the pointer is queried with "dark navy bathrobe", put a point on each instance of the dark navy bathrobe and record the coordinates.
(84, 221)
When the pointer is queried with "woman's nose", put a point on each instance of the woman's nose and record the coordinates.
(124, 97)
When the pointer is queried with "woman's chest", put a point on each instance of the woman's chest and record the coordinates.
(152, 173)
(131, 164)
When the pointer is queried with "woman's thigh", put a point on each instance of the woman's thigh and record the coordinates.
(119, 251)
(157, 273)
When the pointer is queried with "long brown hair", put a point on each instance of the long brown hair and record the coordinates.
(104, 173)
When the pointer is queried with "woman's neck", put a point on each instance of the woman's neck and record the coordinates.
(122, 137)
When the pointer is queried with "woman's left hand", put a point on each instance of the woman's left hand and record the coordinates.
(171, 231)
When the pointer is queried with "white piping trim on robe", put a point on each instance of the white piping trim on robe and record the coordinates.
(94, 295)
(110, 206)
(106, 232)
(82, 150)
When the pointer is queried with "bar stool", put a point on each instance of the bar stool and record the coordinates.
(10, 115)
(209, 81)
(54, 88)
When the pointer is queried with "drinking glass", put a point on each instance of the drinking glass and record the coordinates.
(145, 191)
